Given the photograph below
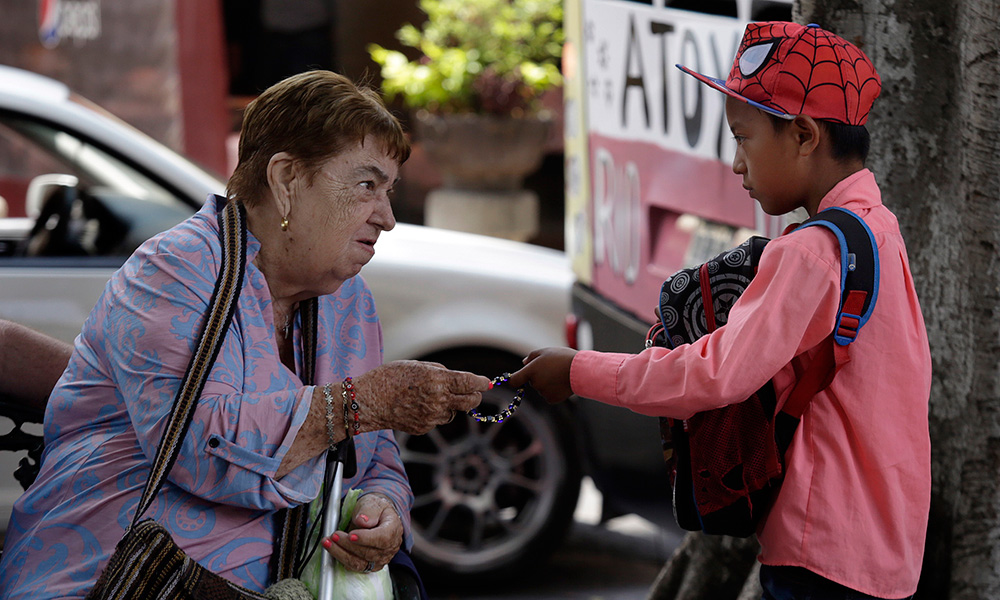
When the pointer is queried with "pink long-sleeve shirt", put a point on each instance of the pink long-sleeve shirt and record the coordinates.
(854, 503)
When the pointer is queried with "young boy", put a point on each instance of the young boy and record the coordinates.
(851, 513)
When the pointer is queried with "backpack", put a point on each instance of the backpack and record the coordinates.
(726, 464)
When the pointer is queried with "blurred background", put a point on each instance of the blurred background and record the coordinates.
(182, 71)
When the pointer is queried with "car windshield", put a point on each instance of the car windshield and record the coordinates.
(31, 148)
(189, 164)
(63, 195)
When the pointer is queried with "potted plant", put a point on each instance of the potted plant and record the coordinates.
(475, 90)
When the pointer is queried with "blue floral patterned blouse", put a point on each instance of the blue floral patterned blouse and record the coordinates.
(106, 415)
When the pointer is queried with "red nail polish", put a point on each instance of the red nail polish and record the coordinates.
(335, 537)
(491, 386)
(327, 543)
(364, 518)
(354, 537)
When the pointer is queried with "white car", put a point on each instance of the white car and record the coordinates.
(488, 497)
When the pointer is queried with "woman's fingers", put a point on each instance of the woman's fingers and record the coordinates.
(375, 538)
(466, 402)
(463, 382)
(416, 396)
(347, 549)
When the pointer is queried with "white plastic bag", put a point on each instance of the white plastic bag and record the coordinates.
(348, 585)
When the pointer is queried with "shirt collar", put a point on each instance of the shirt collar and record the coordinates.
(855, 192)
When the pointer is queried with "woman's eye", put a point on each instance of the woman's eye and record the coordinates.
(368, 185)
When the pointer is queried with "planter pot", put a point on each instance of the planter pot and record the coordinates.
(483, 152)
(483, 160)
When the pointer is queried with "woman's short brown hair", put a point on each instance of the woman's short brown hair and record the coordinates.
(313, 116)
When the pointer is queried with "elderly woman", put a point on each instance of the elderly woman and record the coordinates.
(317, 161)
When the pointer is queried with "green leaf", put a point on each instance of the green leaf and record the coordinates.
(464, 41)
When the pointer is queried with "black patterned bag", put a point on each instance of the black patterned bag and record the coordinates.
(725, 464)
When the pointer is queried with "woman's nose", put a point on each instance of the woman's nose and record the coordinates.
(383, 216)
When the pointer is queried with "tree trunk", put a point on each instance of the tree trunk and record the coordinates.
(936, 154)
(936, 143)
(706, 566)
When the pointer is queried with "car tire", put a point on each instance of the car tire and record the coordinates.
(491, 499)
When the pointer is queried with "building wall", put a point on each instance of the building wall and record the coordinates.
(156, 64)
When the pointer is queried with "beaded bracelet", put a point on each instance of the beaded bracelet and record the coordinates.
(347, 409)
(350, 403)
(506, 413)
(328, 396)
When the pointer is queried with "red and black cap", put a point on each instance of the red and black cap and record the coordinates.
(787, 69)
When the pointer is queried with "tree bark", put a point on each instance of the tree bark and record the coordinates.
(935, 148)
(706, 566)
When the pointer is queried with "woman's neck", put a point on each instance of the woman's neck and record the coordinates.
(269, 257)
(284, 316)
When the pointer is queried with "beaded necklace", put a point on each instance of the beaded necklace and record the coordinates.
(504, 414)
(286, 328)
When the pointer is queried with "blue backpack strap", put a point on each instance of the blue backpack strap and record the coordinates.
(859, 269)
(859, 274)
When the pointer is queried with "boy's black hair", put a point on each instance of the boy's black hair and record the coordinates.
(846, 141)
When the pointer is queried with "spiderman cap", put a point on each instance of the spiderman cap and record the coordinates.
(787, 69)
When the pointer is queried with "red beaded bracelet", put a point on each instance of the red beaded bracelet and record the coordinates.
(350, 403)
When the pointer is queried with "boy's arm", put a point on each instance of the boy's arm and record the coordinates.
(789, 308)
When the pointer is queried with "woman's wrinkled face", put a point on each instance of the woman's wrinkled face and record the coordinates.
(336, 218)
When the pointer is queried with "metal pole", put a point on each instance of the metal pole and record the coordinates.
(331, 517)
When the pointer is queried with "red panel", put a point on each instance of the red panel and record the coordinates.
(204, 82)
(641, 190)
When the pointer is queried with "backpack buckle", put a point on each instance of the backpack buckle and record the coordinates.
(847, 329)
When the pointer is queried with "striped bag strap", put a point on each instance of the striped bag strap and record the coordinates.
(292, 523)
(222, 306)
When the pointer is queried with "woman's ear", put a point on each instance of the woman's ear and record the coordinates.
(807, 134)
(281, 173)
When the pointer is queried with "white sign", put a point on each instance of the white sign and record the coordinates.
(76, 20)
(634, 89)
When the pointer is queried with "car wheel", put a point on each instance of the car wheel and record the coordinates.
(491, 497)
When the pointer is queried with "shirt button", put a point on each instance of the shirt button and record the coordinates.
(213, 443)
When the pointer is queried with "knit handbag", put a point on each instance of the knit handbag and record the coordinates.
(146, 562)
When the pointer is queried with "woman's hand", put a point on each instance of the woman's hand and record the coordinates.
(415, 396)
(408, 395)
(547, 370)
(375, 535)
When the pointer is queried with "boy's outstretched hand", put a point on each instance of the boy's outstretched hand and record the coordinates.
(547, 370)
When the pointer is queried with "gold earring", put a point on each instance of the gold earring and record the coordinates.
(284, 223)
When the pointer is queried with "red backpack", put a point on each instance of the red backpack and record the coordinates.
(726, 464)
